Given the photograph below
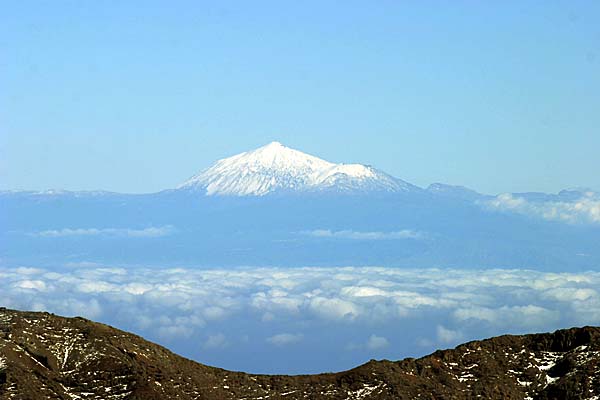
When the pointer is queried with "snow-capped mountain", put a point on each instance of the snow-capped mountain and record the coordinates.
(276, 168)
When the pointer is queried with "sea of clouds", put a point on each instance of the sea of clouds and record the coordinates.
(308, 319)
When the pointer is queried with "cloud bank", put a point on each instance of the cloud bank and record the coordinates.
(585, 209)
(351, 314)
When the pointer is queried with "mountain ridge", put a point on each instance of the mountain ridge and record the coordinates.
(277, 169)
(46, 356)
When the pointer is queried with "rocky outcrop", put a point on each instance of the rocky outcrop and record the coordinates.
(43, 356)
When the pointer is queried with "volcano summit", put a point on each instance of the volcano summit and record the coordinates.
(276, 168)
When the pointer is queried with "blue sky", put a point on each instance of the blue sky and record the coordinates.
(137, 97)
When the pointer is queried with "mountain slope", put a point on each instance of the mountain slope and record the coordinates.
(455, 192)
(43, 356)
(276, 168)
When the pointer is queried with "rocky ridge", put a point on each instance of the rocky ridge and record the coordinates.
(43, 356)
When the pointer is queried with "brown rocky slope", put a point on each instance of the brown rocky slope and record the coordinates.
(43, 356)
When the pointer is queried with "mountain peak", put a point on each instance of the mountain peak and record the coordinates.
(276, 156)
(274, 145)
(277, 168)
(272, 148)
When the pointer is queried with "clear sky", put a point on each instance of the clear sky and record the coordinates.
(137, 96)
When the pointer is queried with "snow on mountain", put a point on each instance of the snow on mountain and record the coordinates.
(276, 168)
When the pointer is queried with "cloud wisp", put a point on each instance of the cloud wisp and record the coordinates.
(377, 342)
(150, 232)
(361, 235)
(284, 339)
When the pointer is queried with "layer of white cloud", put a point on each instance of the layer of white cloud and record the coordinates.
(585, 209)
(120, 232)
(302, 306)
(360, 235)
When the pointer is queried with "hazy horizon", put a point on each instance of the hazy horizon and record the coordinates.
(175, 185)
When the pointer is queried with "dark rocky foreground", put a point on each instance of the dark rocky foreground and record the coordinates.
(43, 356)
